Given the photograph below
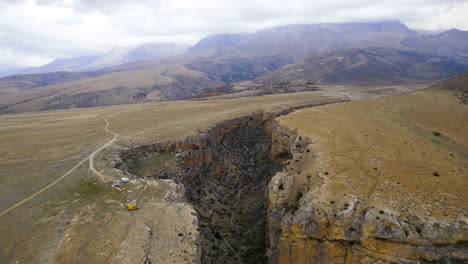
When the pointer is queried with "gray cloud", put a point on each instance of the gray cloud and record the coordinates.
(33, 32)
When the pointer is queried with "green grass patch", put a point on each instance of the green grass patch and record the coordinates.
(299, 195)
(141, 166)
(90, 188)
(462, 244)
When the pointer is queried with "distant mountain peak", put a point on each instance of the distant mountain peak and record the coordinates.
(116, 56)
(453, 30)
(450, 42)
(218, 42)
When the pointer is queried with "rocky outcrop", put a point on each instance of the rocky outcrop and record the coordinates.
(311, 230)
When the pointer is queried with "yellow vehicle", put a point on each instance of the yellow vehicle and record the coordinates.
(132, 207)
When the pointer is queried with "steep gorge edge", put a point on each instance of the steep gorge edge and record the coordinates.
(236, 177)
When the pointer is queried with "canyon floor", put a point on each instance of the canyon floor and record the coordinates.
(57, 203)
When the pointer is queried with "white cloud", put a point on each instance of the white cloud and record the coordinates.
(17, 59)
(34, 30)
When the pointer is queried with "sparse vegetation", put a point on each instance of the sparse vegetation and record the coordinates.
(83, 133)
(462, 244)
(299, 195)
(142, 166)
(90, 188)
(43, 146)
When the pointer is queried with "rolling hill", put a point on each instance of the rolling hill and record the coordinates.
(453, 42)
(16, 83)
(370, 66)
(154, 84)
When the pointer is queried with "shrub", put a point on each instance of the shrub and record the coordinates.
(418, 230)
(298, 195)
(364, 211)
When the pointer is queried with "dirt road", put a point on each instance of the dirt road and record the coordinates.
(91, 157)
(91, 166)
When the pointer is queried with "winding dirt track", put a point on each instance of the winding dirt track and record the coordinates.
(91, 157)
(91, 161)
(91, 167)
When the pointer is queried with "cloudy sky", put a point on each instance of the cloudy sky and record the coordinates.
(34, 32)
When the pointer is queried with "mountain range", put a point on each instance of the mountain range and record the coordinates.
(116, 56)
(371, 53)
(367, 66)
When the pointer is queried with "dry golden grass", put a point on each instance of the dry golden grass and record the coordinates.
(385, 152)
(38, 148)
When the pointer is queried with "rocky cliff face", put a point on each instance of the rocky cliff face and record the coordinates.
(262, 195)
(225, 174)
(227, 184)
(313, 230)
(376, 181)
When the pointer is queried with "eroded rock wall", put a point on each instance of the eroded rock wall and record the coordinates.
(226, 180)
(308, 229)
(225, 173)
